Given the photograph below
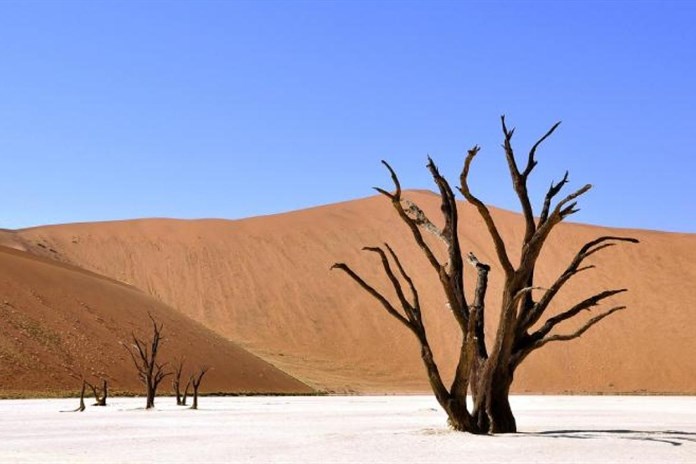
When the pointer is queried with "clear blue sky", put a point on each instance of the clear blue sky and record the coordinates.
(113, 110)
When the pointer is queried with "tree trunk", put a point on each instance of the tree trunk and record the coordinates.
(178, 396)
(492, 412)
(105, 394)
(459, 418)
(184, 397)
(503, 419)
(150, 403)
(195, 397)
(196, 382)
(82, 406)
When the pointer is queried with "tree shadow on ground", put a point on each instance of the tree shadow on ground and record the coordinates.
(671, 437)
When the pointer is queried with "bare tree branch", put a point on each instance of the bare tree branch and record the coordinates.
(414, 325)
(415, 305)
(485, 214)
(530, 318)
(531, 162)
(415, 230)
(554, 190)
(395, 180)
(575, 310)
(375, 294)
(519, 181)
(580, 331)
(405, 304)
(418, 216)
(452, 280)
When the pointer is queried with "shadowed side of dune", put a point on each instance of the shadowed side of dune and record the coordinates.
(58, 323)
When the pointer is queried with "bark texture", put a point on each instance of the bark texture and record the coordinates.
(486, 368)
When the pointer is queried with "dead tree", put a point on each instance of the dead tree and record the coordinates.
(82, 406)
(99, 396)
(486, 368)
(196, 381)
(81, 378)
(176, 384)
(150, 372)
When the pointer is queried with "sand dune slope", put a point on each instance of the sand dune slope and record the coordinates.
(58, 322)
(265, 282)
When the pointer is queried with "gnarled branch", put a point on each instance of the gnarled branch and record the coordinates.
(554, 190)
(375, 294)
(419, 217)
(519, 180)
(484, 213)
(575, 310)
(405, 304)
(412, 321)
(531, 162)
(530, 317)
(479, 304)
(415, 305)
(411, 223)
(580, 331)
(452, 280)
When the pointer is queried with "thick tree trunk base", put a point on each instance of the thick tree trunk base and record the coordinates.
(480, 424)
(150, 401)
(497, 418)
(503, 419)
(493, 413)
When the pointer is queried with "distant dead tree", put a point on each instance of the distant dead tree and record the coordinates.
(486, 369)
(81, 378)
(144, 356)
(99, 395)
(176, 384)
(196, 381)
(82, 406)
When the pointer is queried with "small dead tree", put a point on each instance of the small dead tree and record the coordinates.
(196, 381)
(82, 406)
(144, 356)
(176, 384)
(486, 367)
(81, 378)
(99, 395)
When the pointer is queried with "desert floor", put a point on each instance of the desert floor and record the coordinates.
(347, 429)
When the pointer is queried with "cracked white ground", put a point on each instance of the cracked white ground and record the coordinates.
(399, 429)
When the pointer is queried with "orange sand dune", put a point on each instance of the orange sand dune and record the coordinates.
(265, 283)
(59, 322)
